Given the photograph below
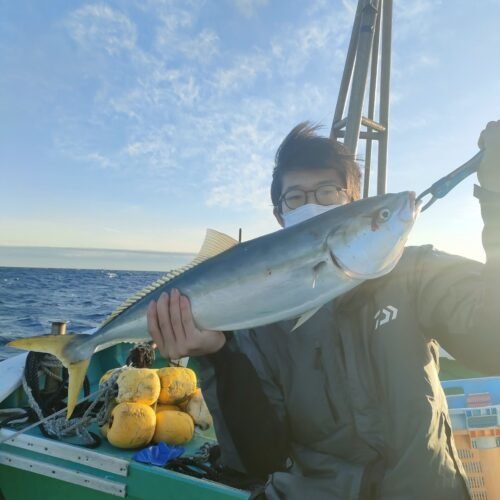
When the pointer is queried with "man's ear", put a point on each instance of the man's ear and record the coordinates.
(278, 216)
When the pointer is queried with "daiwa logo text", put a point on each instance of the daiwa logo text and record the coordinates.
(385, 315)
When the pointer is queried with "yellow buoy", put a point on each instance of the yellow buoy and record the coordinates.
(138, 385)
(110, 372)
(132, 425)
(177, 384)
(173, 427)
(161, 407)
(198, 410)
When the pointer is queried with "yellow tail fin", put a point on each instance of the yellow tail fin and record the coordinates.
(76, 373)
(56, 345)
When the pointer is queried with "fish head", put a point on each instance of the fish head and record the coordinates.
(370, 234)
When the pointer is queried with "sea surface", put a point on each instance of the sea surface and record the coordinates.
(31, 298)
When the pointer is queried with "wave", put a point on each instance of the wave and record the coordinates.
(31, 298)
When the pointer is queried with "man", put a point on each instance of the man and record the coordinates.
(343, 407)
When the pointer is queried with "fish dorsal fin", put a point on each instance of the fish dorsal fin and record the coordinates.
(214, 244)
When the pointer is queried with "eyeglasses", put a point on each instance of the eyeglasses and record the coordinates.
(326, 194)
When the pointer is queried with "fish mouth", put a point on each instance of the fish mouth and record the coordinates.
(409, 212)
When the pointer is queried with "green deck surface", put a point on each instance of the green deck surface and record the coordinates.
(142, 482)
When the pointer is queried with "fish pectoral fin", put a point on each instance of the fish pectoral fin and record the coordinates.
(76, 375)
(316, 271)
(215, 243)
(305, 317)
(56, 345)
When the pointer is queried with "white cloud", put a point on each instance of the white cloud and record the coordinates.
(187, 91)
(242, 158)
(100, 159)
(410, 9)
(67, 144)
(297, 46)
(175, 19)
(248, 8)
(170, 24)
(129, 103)
(155, 148)
(350, 5)
(243, 72)
(202, 48)
(97, 27)
(412, 19)
(174, 34)
(181, 97)
(176, 110)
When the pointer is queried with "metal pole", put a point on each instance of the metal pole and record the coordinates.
(371, 105)
(385, 75)
(366, 32)
(347, 74)
(370, 43)
(58, 327)
(374, 136)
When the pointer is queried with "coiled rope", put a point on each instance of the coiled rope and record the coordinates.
(55, 424)
(49, 408)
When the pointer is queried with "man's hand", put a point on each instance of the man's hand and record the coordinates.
(171, 326)
(489, 170)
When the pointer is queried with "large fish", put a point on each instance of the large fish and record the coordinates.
(287, 274)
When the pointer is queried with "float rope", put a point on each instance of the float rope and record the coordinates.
(50, 417)
(61, 428)
(51, 397)
(58, 423)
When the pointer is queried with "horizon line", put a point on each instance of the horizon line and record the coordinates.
(96, 248)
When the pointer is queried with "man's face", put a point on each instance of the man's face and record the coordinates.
(308, 181)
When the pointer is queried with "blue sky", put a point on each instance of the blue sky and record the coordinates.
(137, 124)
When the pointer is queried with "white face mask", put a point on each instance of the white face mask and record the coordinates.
(305, 212)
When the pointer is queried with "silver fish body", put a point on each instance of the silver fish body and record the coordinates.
(281, 275)
(286, 274)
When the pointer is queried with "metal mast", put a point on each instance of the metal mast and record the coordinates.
(369, 48)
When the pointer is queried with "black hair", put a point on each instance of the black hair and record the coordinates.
(304, 149)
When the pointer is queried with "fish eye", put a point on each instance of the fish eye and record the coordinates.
(384, 215)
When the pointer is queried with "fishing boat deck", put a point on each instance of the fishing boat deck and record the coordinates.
(35, 465)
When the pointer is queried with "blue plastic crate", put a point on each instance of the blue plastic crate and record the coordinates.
(463, 389)
(473, 403)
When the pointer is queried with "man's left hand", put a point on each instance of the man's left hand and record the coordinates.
(489, 171)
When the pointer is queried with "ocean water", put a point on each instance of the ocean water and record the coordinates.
(30, 298)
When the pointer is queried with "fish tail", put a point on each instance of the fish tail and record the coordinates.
(59, 346)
